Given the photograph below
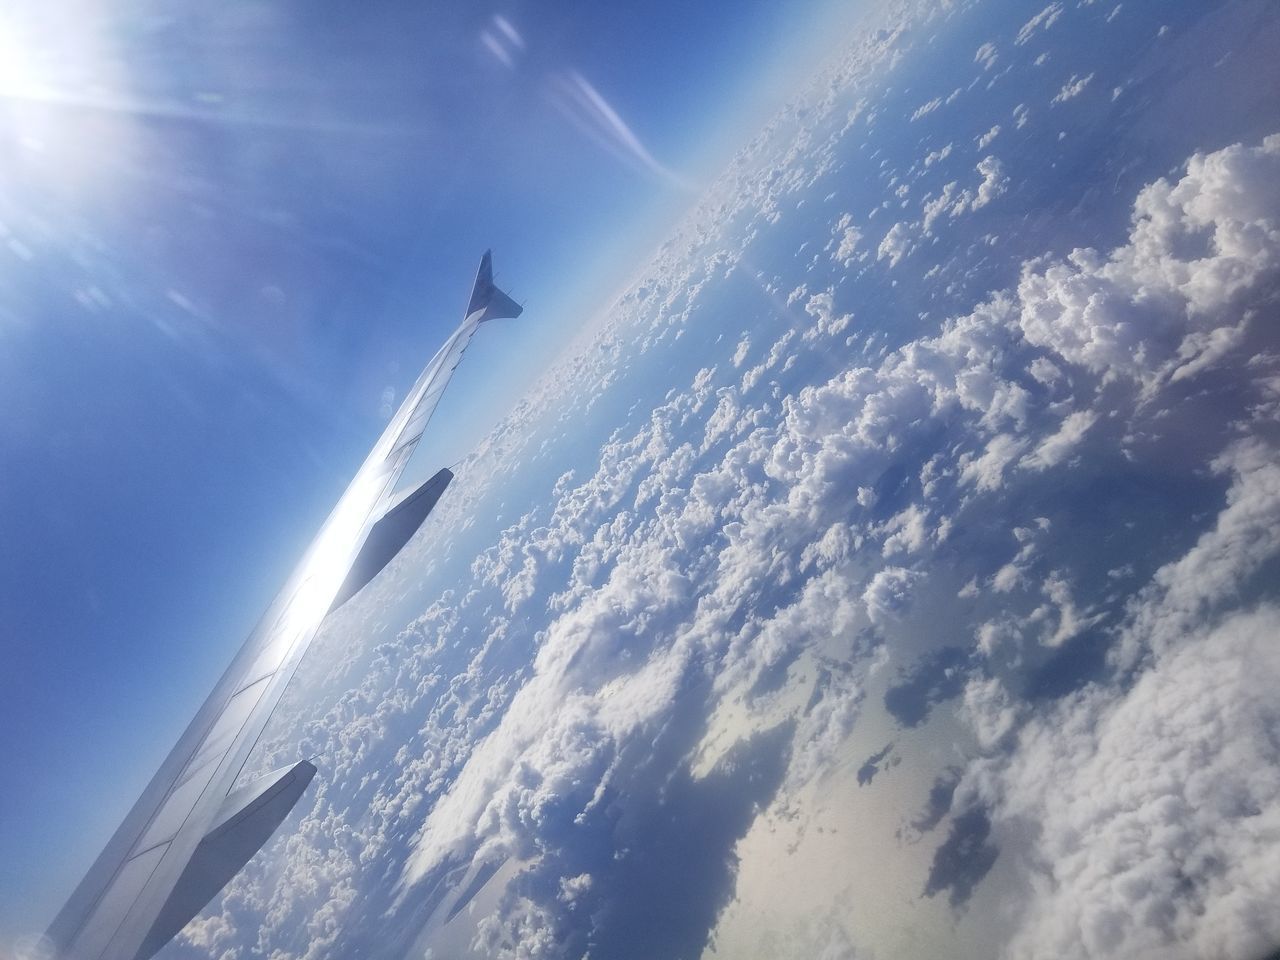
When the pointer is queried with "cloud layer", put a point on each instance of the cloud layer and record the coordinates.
(787, 506)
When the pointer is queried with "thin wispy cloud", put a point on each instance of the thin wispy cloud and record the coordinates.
(502, 40)
(577, 99)
(588, 110)
(504, 26)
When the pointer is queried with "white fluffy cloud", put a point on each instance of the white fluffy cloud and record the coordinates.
(754, 530)
(612, 668)
(1157, 812)
(1072, 88)
(1169, 300)
(724, 495)
(895, 245)
(1155, 803)
(1057, 447)
(849, 237)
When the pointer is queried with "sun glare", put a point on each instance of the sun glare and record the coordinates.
(19, 72)
(63, 83)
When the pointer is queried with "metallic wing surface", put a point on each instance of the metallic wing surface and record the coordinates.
(190, 832)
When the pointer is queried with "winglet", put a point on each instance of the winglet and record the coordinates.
(491, 302)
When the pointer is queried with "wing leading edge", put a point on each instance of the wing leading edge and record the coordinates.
(190, 832)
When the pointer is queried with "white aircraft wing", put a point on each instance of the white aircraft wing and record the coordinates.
(190, 832)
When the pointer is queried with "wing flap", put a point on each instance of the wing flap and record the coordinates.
(245, 822)
(397, 525)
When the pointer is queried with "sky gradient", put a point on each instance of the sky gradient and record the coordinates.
(229, 240)
(883, 563)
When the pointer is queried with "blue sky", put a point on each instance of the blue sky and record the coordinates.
(225, 235)
(917, 507)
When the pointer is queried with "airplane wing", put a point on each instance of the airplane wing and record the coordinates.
(190, 832)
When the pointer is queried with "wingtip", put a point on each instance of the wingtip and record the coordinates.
(486, 296)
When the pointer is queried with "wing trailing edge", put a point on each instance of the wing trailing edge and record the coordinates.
(191, 830)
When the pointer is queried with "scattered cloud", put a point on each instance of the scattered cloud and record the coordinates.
(849, 237)
(1041, 22)
(657, 647)
(926, 108)
(1072, 88)
(937, 156)
(895, 245)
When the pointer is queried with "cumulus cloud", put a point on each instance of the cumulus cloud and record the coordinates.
(1154, 801)
(679, 632)
(1072, 88)
(937, 156)
(1171, 297)
(718, 553)
(849, 236)
(1152, 810)
(952, 201)
(935, 207)
(821, 306)
(994, 184)
(895, 245)
(888, 593)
